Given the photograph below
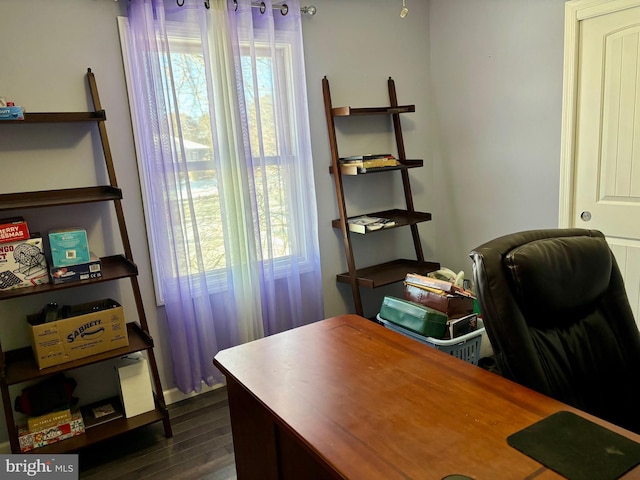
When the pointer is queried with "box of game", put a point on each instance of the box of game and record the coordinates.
(13, 229)
(47, 420)
(32, 439)
(69, 246)
(11, 113)
(23, 264)
(74, 273)
(90, 328)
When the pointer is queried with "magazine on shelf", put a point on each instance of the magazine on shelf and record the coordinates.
(366, 223)
(101, 412)
(368, 156)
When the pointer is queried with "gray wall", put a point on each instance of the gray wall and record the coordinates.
(497, 96)
(485, 76)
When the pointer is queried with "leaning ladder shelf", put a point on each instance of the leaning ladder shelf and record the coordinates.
(389, 272)
(19, 366)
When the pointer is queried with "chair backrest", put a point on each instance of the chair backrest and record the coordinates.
(557, 315)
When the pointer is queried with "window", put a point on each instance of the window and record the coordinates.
(196, 174)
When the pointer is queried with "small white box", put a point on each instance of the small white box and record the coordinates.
(135, 385)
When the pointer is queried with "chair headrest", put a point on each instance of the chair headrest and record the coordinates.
(578, 272)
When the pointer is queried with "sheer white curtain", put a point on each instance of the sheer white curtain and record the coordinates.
(219, 107)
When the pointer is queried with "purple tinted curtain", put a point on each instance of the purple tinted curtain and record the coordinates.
(219, 106)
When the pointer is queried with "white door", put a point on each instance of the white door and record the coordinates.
(600, 183)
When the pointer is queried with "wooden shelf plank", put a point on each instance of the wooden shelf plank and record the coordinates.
(351, 112)
(56, 198)
(20, 365)
(59, 117)
(102, 432)
(387, 273)
(113, 268)
(401, 217)
(354, 171)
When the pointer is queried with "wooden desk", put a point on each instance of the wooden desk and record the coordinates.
(348, 398)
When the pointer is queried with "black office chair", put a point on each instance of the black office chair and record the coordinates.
(557, 315)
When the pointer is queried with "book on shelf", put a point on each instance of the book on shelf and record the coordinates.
(358, 170)
(368, 156)
(366, 223)
(101, 412)
(363, 164)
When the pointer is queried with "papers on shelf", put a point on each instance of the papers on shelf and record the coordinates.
(365, 223)
(361, 163)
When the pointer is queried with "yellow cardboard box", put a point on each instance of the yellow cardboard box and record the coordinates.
(92, 328)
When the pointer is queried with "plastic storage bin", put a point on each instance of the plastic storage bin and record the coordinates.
(465, 347)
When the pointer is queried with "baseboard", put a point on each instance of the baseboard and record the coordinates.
(170, 396)
(174, 395)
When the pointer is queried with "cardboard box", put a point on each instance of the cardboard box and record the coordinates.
(30, 440)
(11, 113)
(136, 393)
(69, 246)
(75, 273)
(78, 336)
(13, 230)
(22, 264)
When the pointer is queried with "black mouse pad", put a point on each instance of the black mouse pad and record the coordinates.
(577, 448)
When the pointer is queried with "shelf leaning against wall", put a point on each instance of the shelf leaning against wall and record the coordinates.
(19, 366)
(379, 275)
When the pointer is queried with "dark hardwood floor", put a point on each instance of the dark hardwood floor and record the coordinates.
(201, 447)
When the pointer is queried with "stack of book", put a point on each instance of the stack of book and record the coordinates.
(361, 163)
(365, 223)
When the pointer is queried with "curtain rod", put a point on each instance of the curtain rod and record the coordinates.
(283, 7)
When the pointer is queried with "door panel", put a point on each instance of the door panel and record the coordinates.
(620, 116)
(627, 255)
(602, 130)
(608, 127)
